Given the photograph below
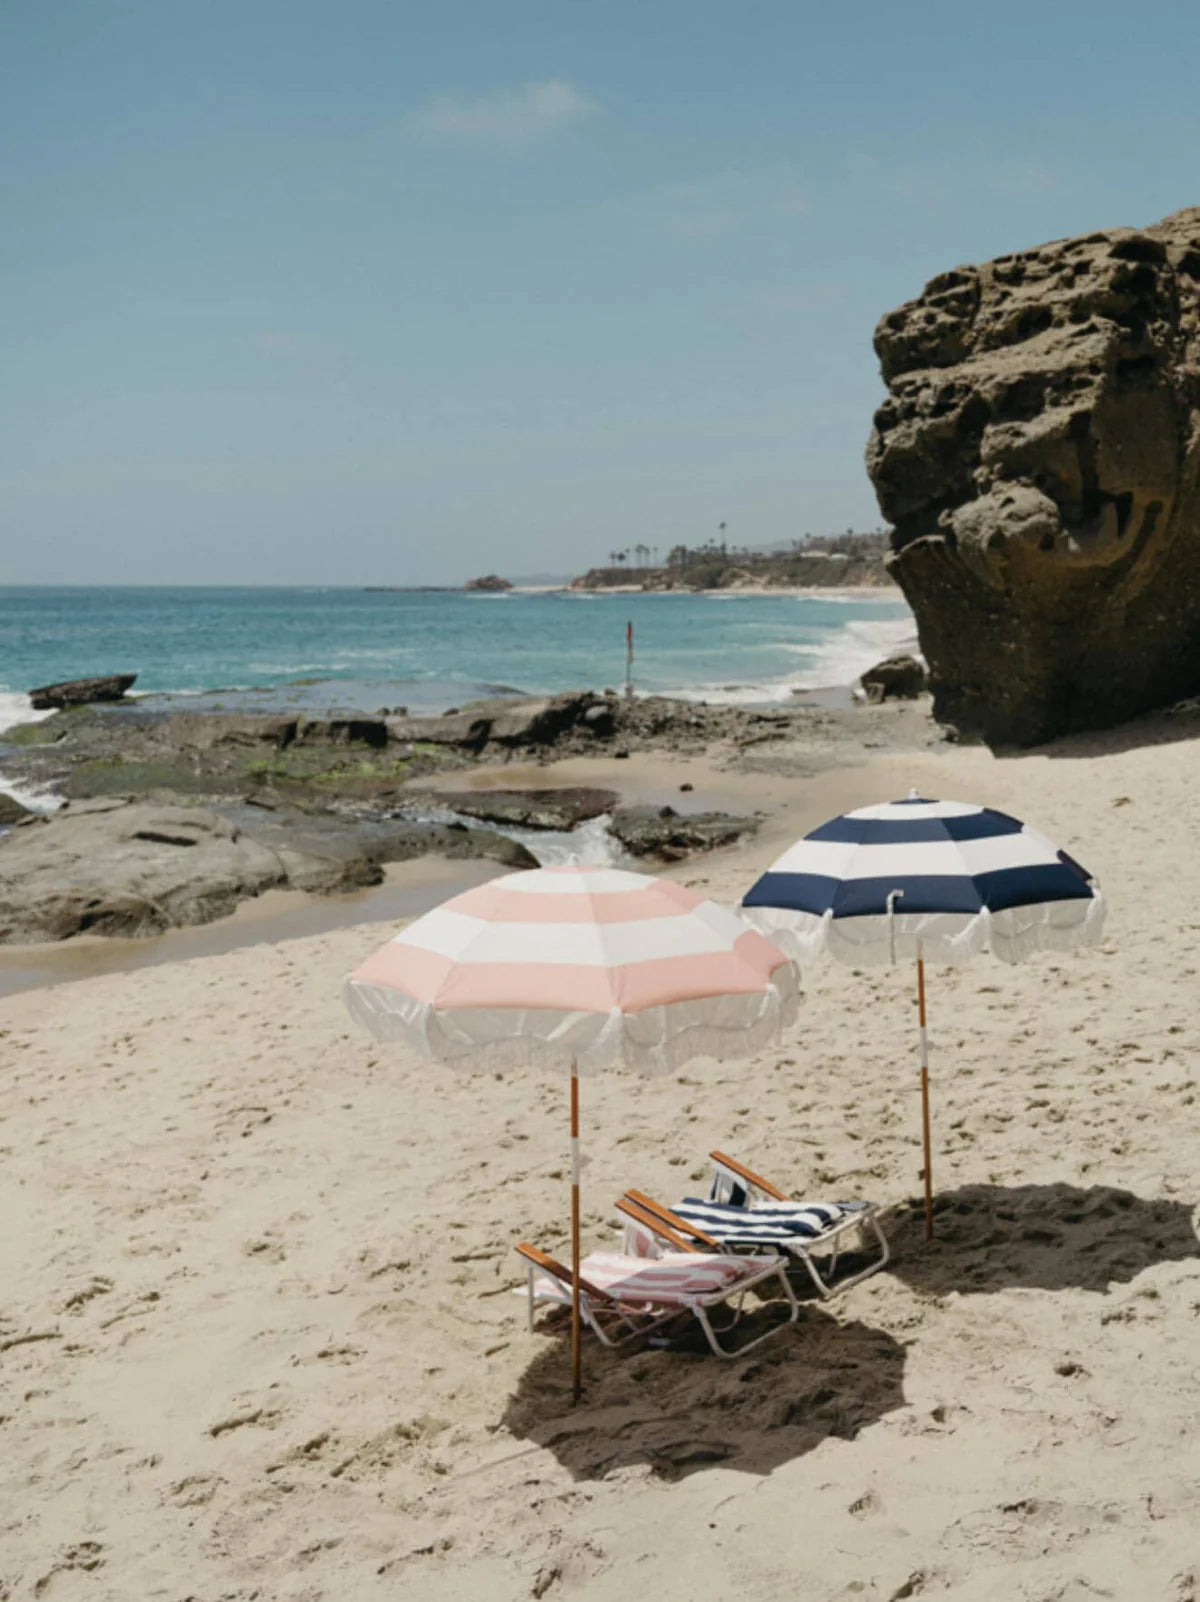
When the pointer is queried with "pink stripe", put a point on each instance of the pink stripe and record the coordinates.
(497, 905)
(571, 987)
(635, 1280)
(759, 952)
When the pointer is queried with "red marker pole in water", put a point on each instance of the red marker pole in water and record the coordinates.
(629, 661)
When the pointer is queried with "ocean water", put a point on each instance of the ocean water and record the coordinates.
(429, 650)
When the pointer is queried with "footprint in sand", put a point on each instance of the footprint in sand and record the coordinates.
(98, 1285)
(84, 1555)
(265, 1418)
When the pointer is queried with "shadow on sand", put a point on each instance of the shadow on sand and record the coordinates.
(1167, 727)
(1043, 1237)
(683, 1410)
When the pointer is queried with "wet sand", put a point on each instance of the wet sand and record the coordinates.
(409, 889)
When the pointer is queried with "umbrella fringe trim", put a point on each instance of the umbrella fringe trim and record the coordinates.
(720, 1027)
(950, 938)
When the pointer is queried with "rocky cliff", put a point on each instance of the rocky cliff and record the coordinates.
(1038, 457)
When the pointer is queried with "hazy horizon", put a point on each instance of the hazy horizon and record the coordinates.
(316, 296)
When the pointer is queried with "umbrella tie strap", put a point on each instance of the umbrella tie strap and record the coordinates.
(893, 897)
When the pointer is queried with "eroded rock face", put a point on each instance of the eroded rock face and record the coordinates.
(1039, 459)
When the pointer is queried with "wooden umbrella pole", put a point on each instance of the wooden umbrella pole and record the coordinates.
(576, 1332)
(925, 1095)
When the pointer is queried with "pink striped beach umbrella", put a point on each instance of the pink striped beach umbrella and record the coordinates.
(577, 968)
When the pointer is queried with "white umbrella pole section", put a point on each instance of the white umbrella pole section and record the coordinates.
(576, 1330)
(923, 1039)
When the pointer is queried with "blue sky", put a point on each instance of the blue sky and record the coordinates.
(380, 293)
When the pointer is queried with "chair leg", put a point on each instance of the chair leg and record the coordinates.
(710, 1335)
(814, 1273)
(824, 1282)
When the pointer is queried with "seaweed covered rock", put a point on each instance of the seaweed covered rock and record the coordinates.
(1038, 457)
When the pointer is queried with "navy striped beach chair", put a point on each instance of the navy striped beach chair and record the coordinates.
(745, 1212)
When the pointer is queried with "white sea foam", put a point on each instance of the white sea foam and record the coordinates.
(588, 842)
(36, 797)
(837, 660)
(843, 656)
(14, 710)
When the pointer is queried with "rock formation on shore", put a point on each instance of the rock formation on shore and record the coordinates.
(489, 583)
(133, 868)
(1039, 459)
(902, 677)
(173, 817)
(81, 692)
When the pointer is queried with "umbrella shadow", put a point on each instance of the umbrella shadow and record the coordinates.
(1042, 1237)
(682, 1410)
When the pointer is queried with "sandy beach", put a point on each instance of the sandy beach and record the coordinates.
(256, 1332)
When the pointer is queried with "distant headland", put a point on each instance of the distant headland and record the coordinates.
(849, 560)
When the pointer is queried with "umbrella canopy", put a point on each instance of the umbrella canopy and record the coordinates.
(577, 968)
(939, 879)
(936, 880)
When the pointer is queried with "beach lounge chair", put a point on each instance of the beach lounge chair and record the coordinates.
(626, 1294)
(746, 1212)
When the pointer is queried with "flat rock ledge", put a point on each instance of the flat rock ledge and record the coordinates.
(559, 809)
(661, 834)
(114, 867)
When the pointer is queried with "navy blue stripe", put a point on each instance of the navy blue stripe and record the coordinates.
(1021, 887)
(982, 825)
(795, 892)
(919, 892)
(985, 825)
(855, 898)
(1076, 867)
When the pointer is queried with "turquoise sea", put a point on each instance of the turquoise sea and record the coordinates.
(429, 650)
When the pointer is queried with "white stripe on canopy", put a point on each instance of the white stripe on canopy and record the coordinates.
(461, 937)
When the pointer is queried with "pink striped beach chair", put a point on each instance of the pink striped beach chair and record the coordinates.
(623, 1295)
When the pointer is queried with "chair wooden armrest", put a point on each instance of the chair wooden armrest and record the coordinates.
(749, 1175)
(672, 1222)
(656, 1225)
(551, 1265)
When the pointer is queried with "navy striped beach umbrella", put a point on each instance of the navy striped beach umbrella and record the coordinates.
(936, 880)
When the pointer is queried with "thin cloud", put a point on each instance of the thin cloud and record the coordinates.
(274, 342)
(505, 116)
(1025, 179)
(706, 207)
